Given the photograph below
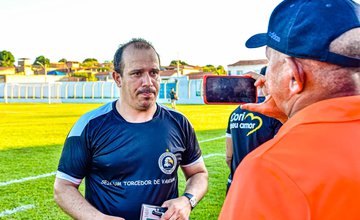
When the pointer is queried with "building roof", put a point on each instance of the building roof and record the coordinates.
(57, 65)
(198, 75)
(56, 73)
(181, 67)
(189, 67)
(250, 62)
(108, 73)
(72, 61)
(168, 73)
(7, 68)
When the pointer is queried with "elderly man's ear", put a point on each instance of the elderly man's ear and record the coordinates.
(117, 78)
(297, 76)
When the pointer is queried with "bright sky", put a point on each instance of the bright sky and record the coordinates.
(199, 32)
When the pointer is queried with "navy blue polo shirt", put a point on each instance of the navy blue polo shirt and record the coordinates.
(127, 164)
(248, 130)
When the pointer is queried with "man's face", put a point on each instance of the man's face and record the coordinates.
(276, 82)
(141, 80)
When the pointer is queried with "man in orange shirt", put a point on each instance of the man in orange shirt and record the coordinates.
(311, 169)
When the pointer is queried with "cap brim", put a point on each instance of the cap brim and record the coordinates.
(258, 40)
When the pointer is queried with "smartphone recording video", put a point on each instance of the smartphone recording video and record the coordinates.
(229, 89)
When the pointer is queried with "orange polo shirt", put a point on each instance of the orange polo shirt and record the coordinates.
(310, 170)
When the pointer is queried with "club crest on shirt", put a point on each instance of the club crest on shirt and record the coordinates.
(167, 162)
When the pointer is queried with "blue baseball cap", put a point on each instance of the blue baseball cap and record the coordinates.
(306, 28)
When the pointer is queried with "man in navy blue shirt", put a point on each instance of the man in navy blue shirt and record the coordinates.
(129, 150)
(246, 131)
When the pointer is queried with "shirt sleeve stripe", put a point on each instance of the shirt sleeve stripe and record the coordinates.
(195, 162)
(69, 178)
(79, 126)
(228, 135)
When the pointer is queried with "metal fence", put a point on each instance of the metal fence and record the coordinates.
(189, 92)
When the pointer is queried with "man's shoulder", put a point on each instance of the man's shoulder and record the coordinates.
(286, 151)
(263, 161)
(271, 151)
(87, 117)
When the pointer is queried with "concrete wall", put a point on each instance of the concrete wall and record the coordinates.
(31, 79)
(189, 91)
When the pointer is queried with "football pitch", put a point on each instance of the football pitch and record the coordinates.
(31, 139)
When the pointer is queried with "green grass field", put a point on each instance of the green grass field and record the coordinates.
(31, 138)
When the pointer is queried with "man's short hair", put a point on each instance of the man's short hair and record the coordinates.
(138, 43)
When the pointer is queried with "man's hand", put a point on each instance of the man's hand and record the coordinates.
(268, 107)
(178, 208)
(259, 81)
(196, 183)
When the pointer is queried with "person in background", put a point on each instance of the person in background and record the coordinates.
(173, 98)
(311, 168)
(129, 150)
(246, 131)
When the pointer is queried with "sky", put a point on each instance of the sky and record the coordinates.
(199, 32)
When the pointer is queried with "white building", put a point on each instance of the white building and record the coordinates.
(25, 66)
(244, 66)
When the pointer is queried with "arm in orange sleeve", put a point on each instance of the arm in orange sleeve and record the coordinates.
(261, 190)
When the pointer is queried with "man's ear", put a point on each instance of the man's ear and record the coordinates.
(297, 82)
(117, 78)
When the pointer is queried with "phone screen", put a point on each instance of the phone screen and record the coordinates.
(229, 90)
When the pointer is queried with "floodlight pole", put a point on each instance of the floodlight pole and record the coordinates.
(46, 81)
(43, 66)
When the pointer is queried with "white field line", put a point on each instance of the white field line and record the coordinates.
(213, 155)
(53, 173)
(212, 139)
(27, 179)
(15, 210)
(26, 207)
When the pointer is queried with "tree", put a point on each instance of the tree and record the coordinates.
(63, 60)
(6, 58)
(174, 63)
(209, 68)
(41, 59)
(220, 70)
(217, 70)
(90, 62)
(87, 60)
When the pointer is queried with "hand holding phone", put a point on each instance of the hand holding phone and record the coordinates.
(268, 107)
